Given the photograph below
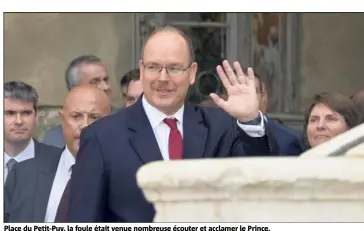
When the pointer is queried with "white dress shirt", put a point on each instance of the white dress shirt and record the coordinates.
(161, 130)
(26, 154)
(60, 181)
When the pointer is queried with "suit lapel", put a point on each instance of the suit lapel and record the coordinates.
(43, 189)
(145, 144)
(47, 166)
(194, 133)
(142, 138)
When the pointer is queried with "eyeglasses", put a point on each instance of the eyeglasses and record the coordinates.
(173, 71)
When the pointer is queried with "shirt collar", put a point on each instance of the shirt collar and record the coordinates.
(27, 153)
(68, 158)
(156, 117)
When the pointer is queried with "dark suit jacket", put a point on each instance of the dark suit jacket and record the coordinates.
(112, 149)
(29, 184)
(288, 140)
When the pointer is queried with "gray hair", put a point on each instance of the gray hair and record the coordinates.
(21, 91)
(175, 30)
(72, 73)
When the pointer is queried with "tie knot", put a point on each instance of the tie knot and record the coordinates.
(172, 123)
(10, 164)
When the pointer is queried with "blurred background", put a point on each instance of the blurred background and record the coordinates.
(296, 54)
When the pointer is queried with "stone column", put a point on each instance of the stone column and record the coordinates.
(256, 190)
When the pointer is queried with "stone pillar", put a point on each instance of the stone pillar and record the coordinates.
(256, 190)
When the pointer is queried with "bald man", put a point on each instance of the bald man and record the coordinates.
(36, 189)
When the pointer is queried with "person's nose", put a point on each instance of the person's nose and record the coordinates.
(18, 119)
(163, 75)
(85, 122)
(321, 125)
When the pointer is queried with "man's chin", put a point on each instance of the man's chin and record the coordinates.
(74, 150)
(19, 140)
(164, 102)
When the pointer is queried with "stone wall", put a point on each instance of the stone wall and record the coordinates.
(332, 52)
(39, 46)
(47, 118)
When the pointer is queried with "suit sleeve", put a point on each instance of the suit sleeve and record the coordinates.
(88, 192)
(255, 146)
(288, 143)
(9, 189)
(247, 145)
(295, 147)
(284, 141)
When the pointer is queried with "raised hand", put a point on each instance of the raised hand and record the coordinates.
(242, 102)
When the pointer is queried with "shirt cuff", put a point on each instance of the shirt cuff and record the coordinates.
(254, 130)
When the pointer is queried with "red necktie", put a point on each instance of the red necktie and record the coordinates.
(175, 144)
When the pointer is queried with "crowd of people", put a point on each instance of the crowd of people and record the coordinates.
(85, 170)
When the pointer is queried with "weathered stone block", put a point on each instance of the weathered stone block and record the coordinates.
(256, 190)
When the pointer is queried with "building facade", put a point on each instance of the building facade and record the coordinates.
(297, 54)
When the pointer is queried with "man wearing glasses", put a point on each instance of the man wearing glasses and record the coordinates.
(162, 126)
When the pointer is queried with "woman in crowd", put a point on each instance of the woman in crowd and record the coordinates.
(329, 115)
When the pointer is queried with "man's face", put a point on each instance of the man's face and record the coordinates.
(19, 120)
(132, 92)
(95, 74)
(166, 91)
(79, 112)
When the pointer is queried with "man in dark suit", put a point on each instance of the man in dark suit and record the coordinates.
(161, 126)
(36, 189)
(20, 116)
(85, 69)
(25, 198)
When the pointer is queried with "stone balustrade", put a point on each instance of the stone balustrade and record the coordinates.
(256, 189)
